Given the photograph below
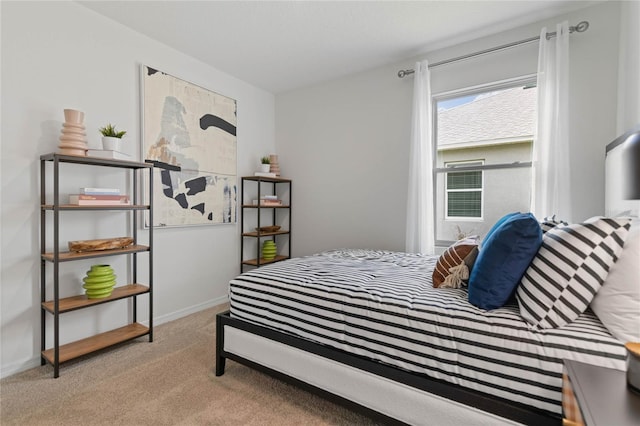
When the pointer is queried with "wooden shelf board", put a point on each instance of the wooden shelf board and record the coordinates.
(65, 256)
(266, 179)
(101, 207)
(251, 206)
(263, 234)
(95, 343)
(95, 161)
(254, 262)
(82, 301)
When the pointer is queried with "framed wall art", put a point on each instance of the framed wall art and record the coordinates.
(189, 132)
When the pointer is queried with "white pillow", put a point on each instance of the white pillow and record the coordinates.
(617, 303)
(569, 269)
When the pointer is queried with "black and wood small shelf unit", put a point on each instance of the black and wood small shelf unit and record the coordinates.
(266, 216)
(58, 354)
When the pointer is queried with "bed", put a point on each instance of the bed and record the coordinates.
(368, 329)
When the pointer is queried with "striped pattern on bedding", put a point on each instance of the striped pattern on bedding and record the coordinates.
(382, 305)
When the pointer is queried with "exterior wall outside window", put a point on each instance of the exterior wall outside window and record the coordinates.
(504, 190)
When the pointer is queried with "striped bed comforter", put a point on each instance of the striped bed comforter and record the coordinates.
(382, 305)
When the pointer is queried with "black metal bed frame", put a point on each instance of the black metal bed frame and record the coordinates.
(499, 406)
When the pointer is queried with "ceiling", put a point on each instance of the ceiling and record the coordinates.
(283, 45)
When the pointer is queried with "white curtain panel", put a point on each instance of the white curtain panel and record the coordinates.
(551, 179)
(420, 220)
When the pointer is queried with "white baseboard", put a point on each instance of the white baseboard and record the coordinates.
(187, 311)
(18, 367)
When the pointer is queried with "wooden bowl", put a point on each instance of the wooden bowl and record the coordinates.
(272, 228)
(103, 244)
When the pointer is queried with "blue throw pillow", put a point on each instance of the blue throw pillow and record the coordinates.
(503, 259)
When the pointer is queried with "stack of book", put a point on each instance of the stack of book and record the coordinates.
(106, 153)
(270, 200)
(99, 197)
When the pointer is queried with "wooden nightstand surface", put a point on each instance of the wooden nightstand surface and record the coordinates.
(602, 395)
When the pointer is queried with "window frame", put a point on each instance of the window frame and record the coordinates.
(526, 80)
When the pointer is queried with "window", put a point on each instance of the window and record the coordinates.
(464, 191)
(483, 138)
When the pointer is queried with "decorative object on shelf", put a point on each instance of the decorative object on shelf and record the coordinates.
(98, 200)
(268, 201)
(273, 228)
(111, 138)
(274, 166)
(73, 116)
(633, 365)
(265, 166)
(269, 250)
(102, 244)
(106, 153)
(100, 191)
(73, 140)
(99, 281)
(193, 129)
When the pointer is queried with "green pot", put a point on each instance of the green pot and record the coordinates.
(99, 281)
(269, 250)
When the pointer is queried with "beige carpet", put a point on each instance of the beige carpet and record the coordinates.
(168, 382)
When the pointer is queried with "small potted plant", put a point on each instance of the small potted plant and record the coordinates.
(266, 164)
(111, 138)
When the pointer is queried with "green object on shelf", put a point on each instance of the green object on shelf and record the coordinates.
(99, 282)
(269, 250)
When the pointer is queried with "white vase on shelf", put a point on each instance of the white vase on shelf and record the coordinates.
(111, 143)
(264, 168)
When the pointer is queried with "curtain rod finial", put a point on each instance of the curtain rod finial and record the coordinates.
(404, 73)
(582, 26)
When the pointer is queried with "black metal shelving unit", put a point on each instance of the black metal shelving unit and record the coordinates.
(271, 212)
(59, 354)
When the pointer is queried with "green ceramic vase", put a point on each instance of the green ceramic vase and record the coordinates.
(99, 282)
(269, 250)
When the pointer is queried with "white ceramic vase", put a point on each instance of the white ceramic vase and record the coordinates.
(111, 143)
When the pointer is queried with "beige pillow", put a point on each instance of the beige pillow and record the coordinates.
(454, 265)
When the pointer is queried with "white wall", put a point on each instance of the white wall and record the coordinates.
(345, 143)
(629, 82)
(58, 55)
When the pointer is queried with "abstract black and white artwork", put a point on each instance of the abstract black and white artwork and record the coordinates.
(190, 134)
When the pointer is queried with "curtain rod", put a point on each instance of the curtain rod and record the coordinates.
(581, 27)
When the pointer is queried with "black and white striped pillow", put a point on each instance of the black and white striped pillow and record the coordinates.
(548, 223)
(569, 269)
